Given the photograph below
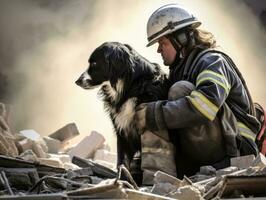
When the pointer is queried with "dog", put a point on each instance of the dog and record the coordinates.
(126, 79)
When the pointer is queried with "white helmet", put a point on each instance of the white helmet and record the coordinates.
(168, 19)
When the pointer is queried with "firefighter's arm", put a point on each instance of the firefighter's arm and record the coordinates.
(212, 88)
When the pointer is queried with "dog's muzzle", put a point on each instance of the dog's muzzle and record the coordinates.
(79, 82)
(83, 80)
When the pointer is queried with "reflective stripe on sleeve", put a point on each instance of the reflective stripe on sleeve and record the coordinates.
(203, 105)
(245, 131)
(156, 150)
(208, 75)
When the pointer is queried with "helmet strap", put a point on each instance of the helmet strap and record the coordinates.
(183, 42)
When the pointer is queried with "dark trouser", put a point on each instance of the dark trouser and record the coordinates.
(197, 145)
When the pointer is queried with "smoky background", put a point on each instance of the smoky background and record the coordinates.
(45, 45)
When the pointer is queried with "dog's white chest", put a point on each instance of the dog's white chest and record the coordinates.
(125, 117)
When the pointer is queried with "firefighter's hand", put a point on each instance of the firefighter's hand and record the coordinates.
(140, 117)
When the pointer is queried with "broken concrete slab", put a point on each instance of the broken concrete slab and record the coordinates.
(165, 183)
(106, 164)
(38, 149)
(108, 190)
(79, 172)
(136, 195)
(53, 162)
(162, 177)
(54, 196)
(227, 170)
(10, 162)
(207, 170)
(65, 133)
(7, 144)
(87, 147)
(38, 144)
(4, 125)
(243, 161)
(29, 155)
(260, 161)
(24, 145)
(186, 193)
(163, 188)
(98, 170)
(31, 134)
(53, 145)
(243, 186)
(21, 178)
(65, 158)
(102, 154)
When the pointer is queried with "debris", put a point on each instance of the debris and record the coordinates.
(164, 184)
(104, 190)
(87, 147)
(207, 170)
(29, 155)
(7, 145)
(97, 169)
(227, 170)
(65, 133)
(36, 167)
(188, 192)
(33, 140)
(54, 162)
(31, 134)
(156, 155)
(136, 195)
(243, 161)
(54, 196)
(105, 155)
(53, 145)
(260, 161)
(65, 158)
(243, 186)
(24, 144)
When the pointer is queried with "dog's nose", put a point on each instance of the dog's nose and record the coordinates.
(79, 82)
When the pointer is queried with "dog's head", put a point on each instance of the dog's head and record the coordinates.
(112, 61)
(108, 62)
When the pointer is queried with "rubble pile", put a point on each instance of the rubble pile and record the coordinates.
(36, 167)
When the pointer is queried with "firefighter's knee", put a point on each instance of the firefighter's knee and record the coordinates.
(180, 89)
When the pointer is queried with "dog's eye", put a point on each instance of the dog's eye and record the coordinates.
(93, 64)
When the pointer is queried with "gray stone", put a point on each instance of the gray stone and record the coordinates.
(105, 155)
(53, 162)
(243, 161)
(161, 177)
(136, 195)
(24, 145)
(227, 170)
(87, 147)
(187, 193)
(207, 170)
(53, 145)
(163, 188)
(29, 155)
(65, 133)
(260, 161)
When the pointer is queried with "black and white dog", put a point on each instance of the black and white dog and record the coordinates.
(126, 80)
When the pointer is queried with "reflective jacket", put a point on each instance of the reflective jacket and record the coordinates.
(219, 91)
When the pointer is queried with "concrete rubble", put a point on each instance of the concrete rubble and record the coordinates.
(45, 167)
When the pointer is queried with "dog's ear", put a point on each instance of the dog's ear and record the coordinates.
(129, 47)
(120, 60)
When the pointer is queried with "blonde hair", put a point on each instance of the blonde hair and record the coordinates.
(204, 38)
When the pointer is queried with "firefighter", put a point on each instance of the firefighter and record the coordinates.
(209, 113)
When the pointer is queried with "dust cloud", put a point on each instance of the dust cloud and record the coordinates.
(45, 44)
